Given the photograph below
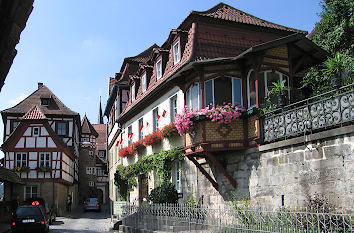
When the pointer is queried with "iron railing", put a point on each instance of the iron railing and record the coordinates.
(314, 114)
(192, 218)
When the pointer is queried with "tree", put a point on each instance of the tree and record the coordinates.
(334, 33)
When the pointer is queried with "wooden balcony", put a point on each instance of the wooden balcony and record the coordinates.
(209, 136)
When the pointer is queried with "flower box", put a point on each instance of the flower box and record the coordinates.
(22, 169)
(44, 169)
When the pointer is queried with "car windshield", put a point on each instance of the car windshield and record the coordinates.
(92, 200)
(27, 211)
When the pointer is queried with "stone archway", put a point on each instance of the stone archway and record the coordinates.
(101, 195)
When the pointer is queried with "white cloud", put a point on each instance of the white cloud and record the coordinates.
(18, 99)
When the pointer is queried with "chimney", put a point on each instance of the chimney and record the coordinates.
(40, 85)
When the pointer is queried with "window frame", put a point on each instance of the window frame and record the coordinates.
(141, 132)
(37, 194)
(176, 56)
(232, 90)
(158, 71)
(144, 82)
(281, 78)
(45, 159)
(173, 107)
(189, 99)
(155, 122)
(133, 94)
(248, 91)
(130, 130)
(21, 160)
(66, 128)
(12, 128)
(33, 131)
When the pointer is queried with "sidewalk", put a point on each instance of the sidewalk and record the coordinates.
(4, 227)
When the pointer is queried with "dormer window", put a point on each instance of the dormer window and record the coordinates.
(133, 92)
(176, 53)
(159, 69)
(143, 82)
(44, 102)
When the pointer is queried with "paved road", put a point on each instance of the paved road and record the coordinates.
(83, 222)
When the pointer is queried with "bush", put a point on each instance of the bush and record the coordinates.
(166, 193)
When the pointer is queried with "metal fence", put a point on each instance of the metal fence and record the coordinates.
(314, 114)
(192, 218)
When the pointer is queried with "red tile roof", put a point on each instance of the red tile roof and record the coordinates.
(34, 113)
(229, 13)
(101, 129)
(87, 128)
(55, 106)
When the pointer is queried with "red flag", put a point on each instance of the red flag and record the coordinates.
(121, 140)
(158, 117)
(117, 143)
(147, 123)
(131, 135)
(164, 113)
(141, 127)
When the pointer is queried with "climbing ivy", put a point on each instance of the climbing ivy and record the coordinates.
(160, 162)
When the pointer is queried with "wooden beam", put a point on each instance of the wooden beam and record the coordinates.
(221, 169)
(202, 170)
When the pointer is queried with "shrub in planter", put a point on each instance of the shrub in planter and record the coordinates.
(165, 193)
(139, 145)
(43, 169)
(22, 169)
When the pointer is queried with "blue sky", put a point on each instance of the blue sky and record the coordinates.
(73, 47)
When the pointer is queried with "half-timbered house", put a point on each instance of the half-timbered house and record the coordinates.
(41, 143)
(215, 57)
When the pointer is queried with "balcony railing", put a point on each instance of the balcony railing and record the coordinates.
(317, 113)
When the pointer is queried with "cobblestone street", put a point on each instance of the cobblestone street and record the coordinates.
(84, 222)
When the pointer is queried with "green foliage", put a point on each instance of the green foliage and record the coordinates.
(122, 183)
(165, 193)
(278, 88)
(160, 162)
(334, 33)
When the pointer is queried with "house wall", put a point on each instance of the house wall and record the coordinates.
(67, 172)
(86, 160)
(163, 103)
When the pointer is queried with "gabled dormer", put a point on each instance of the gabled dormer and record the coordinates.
(177, 40)
(145, 73)
(160, 58)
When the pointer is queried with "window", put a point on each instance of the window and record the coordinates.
(102, 154)
(251, 89)
(223, 90)
(21, 159)
(143, 82)
(141, 128)
(44, 159)
(45, 101)
(155, 119)
(35, 131)
(133, 92)
(100, 172)
(91, 154)
(130, 135)
(176, 53)
(62, 128)
(14, 125)
(90, 170)
(173, 107)
(271, 77)
(31, 191)
(91, 184)
(159, 69)
(192, 96)
(178, 176)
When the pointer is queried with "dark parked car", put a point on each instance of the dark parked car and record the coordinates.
(92, 204)
(50, 213)
(29, 218)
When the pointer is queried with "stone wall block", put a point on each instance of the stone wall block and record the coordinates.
(283, 159)
(296, 157)
(337, 150)
(313, 154)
